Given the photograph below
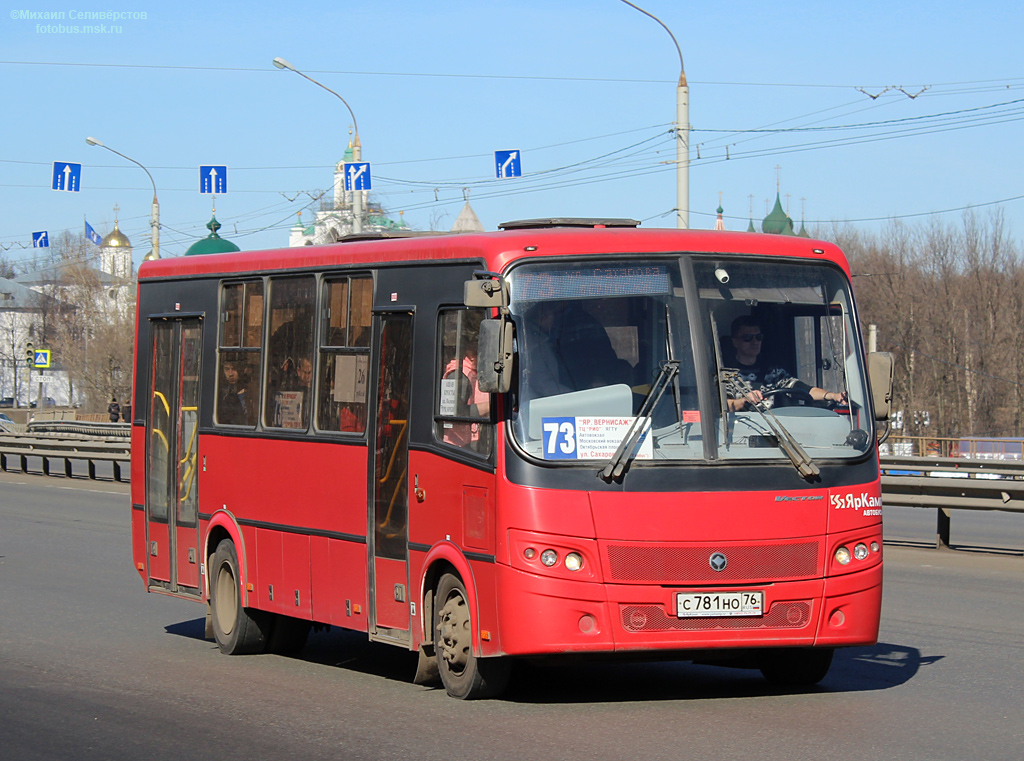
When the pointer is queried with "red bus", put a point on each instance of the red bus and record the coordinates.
(563, 437)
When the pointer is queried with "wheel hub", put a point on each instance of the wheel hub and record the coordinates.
(453, 636)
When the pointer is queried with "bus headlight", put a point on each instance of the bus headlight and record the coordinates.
(860, 551)
(573, 561)
(843, 556)
(549, 557)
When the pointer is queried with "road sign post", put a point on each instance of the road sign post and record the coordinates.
(508, 164)
(66, 176)
(213, 179)
(357, 176)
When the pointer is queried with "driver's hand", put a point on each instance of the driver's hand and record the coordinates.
(754, 396)
(839, 397)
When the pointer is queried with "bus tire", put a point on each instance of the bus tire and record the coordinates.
(796, 667)
(236, 629)
(463, 674)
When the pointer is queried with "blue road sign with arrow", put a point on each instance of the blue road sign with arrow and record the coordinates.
(213, 179)
(67, 176)
(40, 240)
(508, 164)
(357, 176)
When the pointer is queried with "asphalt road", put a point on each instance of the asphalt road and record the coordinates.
(92, 667)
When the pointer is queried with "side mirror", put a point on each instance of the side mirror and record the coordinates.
(484, 293)
(494, 357)
(880, 365)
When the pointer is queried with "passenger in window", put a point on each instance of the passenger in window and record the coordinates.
(291, 397)
(470, 401)
(569, 350)
(765, 377)
(234, 405)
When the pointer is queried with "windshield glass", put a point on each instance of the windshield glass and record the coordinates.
(592, 338)
(776, 341)
(786, 355)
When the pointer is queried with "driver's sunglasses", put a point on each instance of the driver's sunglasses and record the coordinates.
(747, 338)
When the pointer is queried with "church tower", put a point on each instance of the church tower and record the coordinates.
(116, 253)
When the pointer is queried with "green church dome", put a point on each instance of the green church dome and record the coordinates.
(212, 243)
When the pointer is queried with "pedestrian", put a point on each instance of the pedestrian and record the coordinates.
(114, 409)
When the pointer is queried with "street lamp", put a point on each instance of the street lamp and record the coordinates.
(357, 146)
(682, 132)
(154, 221)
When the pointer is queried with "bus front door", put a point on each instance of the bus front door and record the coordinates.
(388, 496)
(172, 527)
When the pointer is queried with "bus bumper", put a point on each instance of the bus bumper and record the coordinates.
(546, 616)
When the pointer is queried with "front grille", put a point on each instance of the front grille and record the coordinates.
(653, 618)
(666, 564)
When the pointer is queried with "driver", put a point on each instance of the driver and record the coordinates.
(762, 377)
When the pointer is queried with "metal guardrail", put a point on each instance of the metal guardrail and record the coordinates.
(81, 428)
(948, 483)
(60, 446)
(941, 483)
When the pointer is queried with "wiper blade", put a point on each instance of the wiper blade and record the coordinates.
(802, 461)
(626, 450)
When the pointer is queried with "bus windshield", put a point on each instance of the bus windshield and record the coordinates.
(764, 359)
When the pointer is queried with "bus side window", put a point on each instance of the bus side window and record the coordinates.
(344, 354)
(238, 355)
(463, 412)
(289, 371)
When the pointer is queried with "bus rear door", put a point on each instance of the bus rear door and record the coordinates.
(172, 529)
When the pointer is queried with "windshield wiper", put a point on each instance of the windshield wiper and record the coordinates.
(739, 389)
(627, 447)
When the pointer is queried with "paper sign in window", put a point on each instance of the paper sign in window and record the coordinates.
(350, 372)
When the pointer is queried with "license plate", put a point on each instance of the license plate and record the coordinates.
(710, 604)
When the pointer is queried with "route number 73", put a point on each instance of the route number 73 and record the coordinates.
(559, 438)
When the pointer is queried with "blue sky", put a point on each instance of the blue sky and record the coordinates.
(891, 110)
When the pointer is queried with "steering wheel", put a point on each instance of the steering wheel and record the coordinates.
(790, 397)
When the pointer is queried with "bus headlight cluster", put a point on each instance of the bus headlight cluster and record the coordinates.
(549, 558)
(843, 554)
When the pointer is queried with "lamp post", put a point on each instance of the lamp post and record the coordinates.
(357, 146)
(682, 132)
(154, 221)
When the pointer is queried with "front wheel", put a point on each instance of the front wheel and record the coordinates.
(796, 667)
(236, 629)
(463, 674)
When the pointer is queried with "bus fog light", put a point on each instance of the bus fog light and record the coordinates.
(874, 546)
(573, 561)
(549, 557)
(529, 553)
(843, 556)
(860, 551)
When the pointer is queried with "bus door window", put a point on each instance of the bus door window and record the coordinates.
(238, 357)
(463, 413)
(289, 370)
(159, 467)
(344, 354)
(389, 489)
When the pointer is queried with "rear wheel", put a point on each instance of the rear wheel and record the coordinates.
(796, 667)
(236, 629)
(463, 674)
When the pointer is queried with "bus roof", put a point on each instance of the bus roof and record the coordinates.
(496, 249)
